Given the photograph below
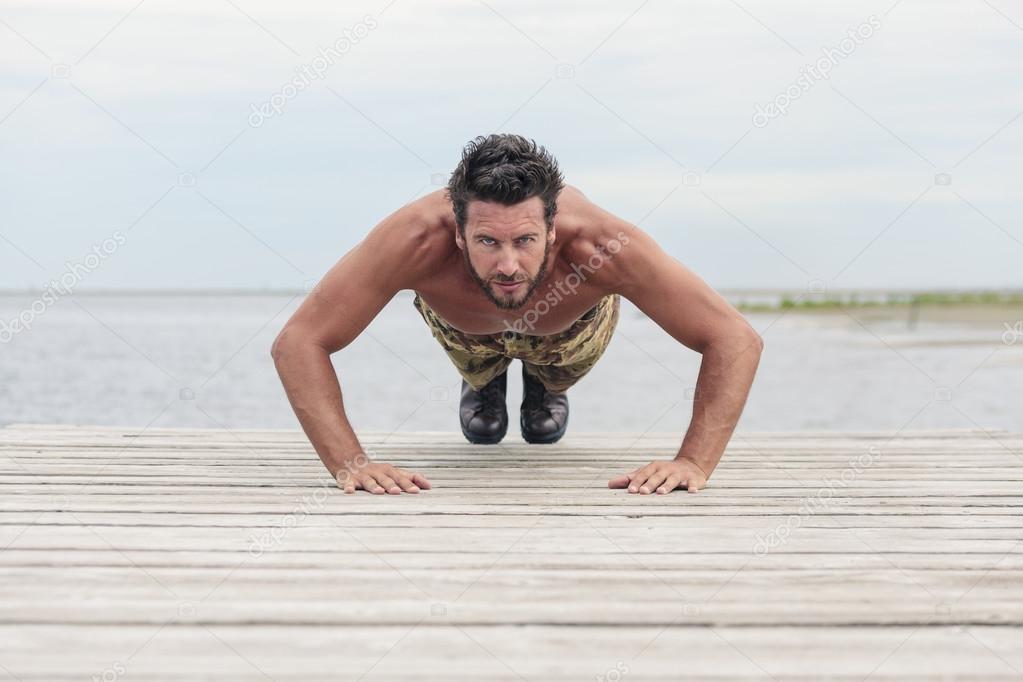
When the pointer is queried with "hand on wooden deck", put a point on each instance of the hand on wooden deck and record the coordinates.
(662, 476)
(380, 478)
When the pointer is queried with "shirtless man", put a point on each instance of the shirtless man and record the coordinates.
(509, 262)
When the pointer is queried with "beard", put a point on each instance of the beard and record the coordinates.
(509, 304)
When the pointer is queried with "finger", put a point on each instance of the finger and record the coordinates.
(619, 481)
(639, 477)
(693, 484)
(344, 481)
(653, 481)
(407, 485)
(352, 483)
(389, 484)
(421, 481)
(370, 484)
(669, 484)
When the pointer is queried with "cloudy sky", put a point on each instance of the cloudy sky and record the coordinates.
(898, 167)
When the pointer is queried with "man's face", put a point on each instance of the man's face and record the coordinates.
(505, 249)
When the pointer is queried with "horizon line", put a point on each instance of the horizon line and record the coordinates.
(282, 291)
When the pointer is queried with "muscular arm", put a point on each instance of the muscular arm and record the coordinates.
(701, 319)
(339, 308)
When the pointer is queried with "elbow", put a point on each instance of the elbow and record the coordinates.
(292, 341)
(757, 341)
(742, 340)
(752, 341)
(276, 350)
(281, 344)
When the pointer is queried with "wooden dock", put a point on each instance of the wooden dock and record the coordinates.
(174, 554)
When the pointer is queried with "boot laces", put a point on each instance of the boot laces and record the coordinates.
(491, 396)
(534, 393)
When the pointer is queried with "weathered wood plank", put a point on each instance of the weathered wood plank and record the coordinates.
(536, 653)
(232, 551)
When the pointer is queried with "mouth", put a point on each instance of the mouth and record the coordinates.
(508, 286)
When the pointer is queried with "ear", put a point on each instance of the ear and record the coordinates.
(458, 239)
(551, 233)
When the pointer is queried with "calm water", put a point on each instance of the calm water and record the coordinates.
(204, 361)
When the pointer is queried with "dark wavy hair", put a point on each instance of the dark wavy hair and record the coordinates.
(507, 169)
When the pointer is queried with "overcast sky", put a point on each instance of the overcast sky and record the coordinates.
(900, 168)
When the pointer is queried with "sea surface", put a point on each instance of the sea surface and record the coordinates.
(203, 360)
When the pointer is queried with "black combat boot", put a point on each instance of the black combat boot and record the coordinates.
(483, 413)
(544, 414)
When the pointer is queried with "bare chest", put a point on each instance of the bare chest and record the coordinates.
(555, 305)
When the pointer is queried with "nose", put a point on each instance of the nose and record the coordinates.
(508, 265)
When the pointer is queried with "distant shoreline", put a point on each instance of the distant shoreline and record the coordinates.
(746, 300)
(886, 300)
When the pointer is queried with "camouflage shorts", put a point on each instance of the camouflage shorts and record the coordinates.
(558, 360)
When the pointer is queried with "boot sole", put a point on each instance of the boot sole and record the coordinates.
(483, 440)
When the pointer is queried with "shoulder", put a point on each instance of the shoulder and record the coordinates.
(418, 222)
(594, 235)
(414, 239)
